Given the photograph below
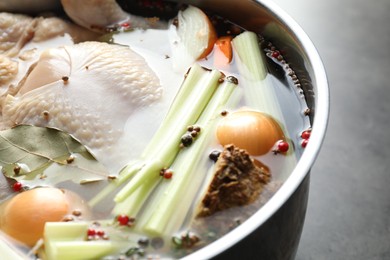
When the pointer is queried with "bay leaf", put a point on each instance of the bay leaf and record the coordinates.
(39, 156)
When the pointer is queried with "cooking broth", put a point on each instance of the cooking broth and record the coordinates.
(155, 46)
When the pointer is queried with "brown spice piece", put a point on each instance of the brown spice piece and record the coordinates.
(46, 115)
(70, 159)
(68, 218)
(111, 177)
(307, 112)
(17, 169)
(237, 181)
(65, 79)
(77, 213)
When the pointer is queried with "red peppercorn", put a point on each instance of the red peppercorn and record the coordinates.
(91, 232)
(125, 24)
(283, 146)
(168, 174)
(123, 220)
(275, 54)
(306, 134)
(100, 233)
(17, 186)
(304, 143)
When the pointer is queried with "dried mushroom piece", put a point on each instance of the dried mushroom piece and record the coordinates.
(238, 180)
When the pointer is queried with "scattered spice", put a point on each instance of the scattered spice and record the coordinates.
(70, 159)
(65, 79)
(76, 213)
(197, 128)
(186, 140)
(135, 251)
(123, 220)
(275, 54)
(46, 115)
(232, 79)
(194, 133)
(91, 232)
(125, 25)
(175, 22)
(281, 147)
(100, 233)
(143, 242)
(68, 218)
(224, 113)
(306, 134)
(304, 143)
(111, 177)
(17, 169)
(166, 173)
(214, 155)
(17, 186)
(185, 240)
(307, 112)
(94, 234)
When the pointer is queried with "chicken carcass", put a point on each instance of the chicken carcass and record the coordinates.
(89, 90)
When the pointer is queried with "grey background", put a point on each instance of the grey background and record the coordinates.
(348, 216)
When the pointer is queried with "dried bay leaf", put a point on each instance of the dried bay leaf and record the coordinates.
(39, 156)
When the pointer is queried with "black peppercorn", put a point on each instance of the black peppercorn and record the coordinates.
(214, 155)
(186, 140)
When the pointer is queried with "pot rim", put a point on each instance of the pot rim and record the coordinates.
(308, 157)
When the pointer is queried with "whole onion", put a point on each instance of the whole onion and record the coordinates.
(254, 131)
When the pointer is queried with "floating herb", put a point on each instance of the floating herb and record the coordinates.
(36, 156)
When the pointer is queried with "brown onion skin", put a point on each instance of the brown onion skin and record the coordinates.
(254, 131)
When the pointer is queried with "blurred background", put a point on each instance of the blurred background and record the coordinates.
(348, 216)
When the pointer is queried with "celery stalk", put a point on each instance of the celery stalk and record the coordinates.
(165, 218)
(246, 46)
(66, 240)
(80, 250)
(147, 175)
(65, 231)
(194, 75)
(196, 91)
(259, 92)
(133, 203)
(128, 172)
(184, 112)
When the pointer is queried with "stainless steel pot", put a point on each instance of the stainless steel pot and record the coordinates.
(274, 231)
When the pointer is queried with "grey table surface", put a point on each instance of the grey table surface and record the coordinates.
(348, 215)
